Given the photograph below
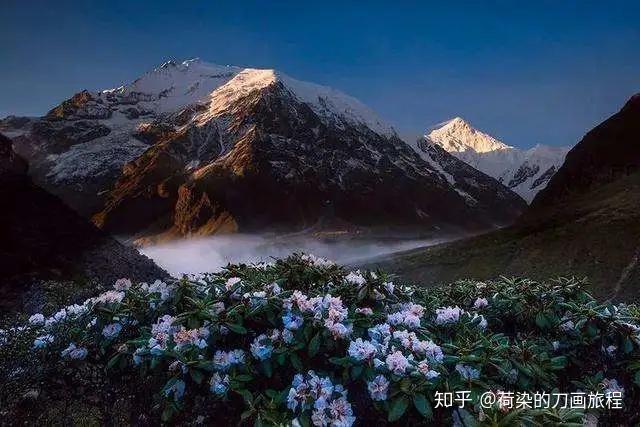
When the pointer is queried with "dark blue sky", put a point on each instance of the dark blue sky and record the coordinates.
(525, 72)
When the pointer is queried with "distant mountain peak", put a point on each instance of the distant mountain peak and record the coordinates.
(458, 135)
(524, 171)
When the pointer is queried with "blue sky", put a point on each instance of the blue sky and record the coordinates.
(526, 72)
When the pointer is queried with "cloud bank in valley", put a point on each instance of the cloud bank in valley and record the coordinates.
(212, 253)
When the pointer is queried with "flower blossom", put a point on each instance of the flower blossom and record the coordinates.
(42, 341)
(109, 297)
(480, 303)
(361, 350)
(111, 330)
(232, 282)
(219, 384)
(165, 290)
(176, 390)
(378, 388)
(447, 315)
(261, 348)
(425, 369)
(36, 319)
(224, 360)
(317, 261)
(292, 321)
(122, 285)
(467, 372)
(610, 386)
(380, 333)
(355, 278)
(329, 403)
(397, 363)
(74, 352)
(197, 337)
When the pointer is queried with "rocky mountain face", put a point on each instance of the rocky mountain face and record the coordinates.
(524, 171)
(585, 223)
(195, 148)
(44, 239)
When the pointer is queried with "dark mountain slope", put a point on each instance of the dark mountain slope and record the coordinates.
(607, 153)
(44, 239)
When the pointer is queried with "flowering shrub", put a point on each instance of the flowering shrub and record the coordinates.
(304, 341)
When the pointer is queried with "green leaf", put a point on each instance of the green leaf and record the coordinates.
(246, 395)
(197, 375)
(246, 414)
(267, 368)
(362, 292)
(304, 420)
(405, 385)
(398, 408)
(356, 371)
(272, 394)
(314, 345)
(559, 362)
(541, 320)
(168, 413)
(238, 329)
(467, 419)
(341, 361)
(114, 360)
(422, 405)
(295, 362)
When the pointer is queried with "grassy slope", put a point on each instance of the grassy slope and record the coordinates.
(597, 236)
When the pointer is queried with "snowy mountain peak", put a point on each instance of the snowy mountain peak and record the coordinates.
(457, 135)
(173, 86)
(524, 171)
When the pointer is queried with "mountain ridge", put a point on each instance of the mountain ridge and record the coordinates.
(133, 156)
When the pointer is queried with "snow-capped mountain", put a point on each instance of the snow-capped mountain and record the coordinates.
(196, 148)
(524, 171)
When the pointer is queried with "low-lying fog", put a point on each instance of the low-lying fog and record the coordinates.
(212, 253)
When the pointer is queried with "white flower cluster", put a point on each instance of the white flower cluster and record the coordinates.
(261, 347)
(74, 352)
(381, 349)
(160, 333)
(187, 337)
(223, 361)
(355, 278)
(328, 401)
(610, 386)
(408, 316)
(448, 315)
(317, 261)
(164, 290)
(326, 309)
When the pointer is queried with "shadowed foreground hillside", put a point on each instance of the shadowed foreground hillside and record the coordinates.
(43, 239)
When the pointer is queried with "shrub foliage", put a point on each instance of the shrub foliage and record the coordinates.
(304, 341)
